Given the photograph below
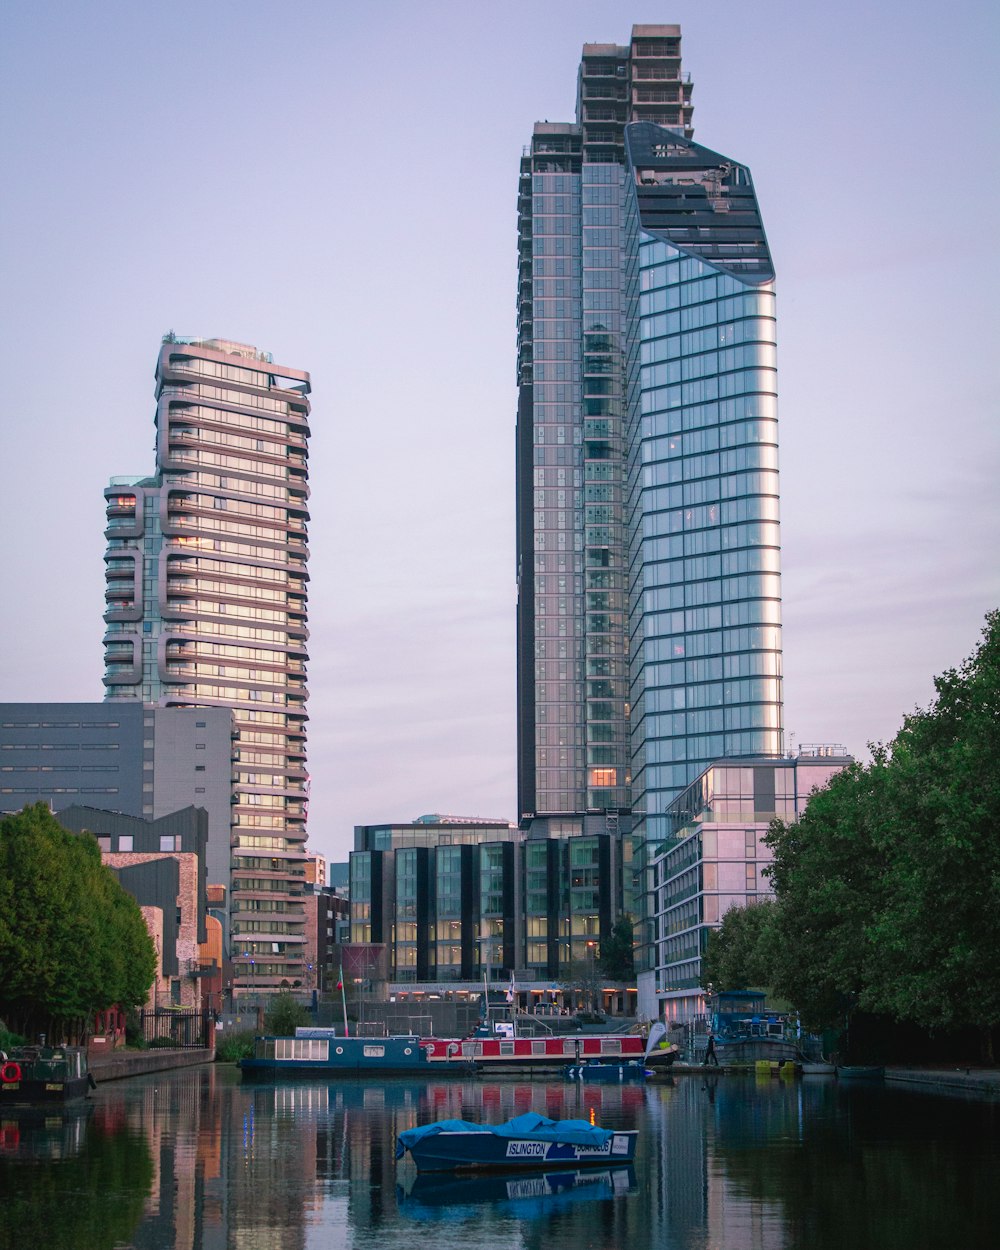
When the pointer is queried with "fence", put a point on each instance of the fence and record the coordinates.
(182, 1029)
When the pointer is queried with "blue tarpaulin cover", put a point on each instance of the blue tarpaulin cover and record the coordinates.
(529, 1125)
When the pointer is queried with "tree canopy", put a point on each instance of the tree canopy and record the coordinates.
(616, 951)
(72, 940)
(887, 889)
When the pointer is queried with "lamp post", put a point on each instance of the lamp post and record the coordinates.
(592, 974)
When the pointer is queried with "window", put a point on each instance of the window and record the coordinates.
(125, 842)
(199, 746)
(199, 768)
(104, 844)
(168, 842)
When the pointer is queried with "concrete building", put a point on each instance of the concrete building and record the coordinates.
(161, 863)
(206, 608)
(715, 858)
(132, 758)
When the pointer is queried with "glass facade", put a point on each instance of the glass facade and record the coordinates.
(704, 572)
(573, 742)
(715, 858)
(457, 902)
(649, 604)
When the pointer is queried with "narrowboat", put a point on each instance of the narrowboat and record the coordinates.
(44, 1076)
(527, 1141)
(319, 1052)
(496, 1054)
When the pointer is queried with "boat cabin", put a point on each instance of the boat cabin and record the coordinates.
(739, 1015)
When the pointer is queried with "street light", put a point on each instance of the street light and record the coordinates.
(592, 974)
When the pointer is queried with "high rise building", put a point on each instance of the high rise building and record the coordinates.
(648, 554)
(572, 554)
(206, 607)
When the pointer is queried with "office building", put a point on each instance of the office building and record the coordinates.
(456, 902)
(130, 758)
(716, 858)
(649, 626)
(206, 607)
(572, 552)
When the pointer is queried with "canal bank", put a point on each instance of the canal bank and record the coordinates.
(977, 1082)
(117, 1065)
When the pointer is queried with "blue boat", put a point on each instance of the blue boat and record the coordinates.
(321, 1053)
(526, 1141)
(613, 1072)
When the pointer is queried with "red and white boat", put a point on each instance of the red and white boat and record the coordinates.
(496, 1053)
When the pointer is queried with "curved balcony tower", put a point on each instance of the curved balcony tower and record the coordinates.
(206, 598)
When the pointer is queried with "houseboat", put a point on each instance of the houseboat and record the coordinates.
(320, 1053)
(745, 1031)
(44, 1076)
(497, 1054)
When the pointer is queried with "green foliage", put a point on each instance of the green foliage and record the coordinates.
(740, 953)
(888, 887)
(9, 1040)
(234, 1046)
(616, 951)
(285, 1015)
(72, 941)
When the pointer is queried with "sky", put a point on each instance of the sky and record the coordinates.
(336, 184)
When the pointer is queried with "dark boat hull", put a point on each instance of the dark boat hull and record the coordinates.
(475, 1152)
(614, 1073)
(39, 1076)
(44, 1093)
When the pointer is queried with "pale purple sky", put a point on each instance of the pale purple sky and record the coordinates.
(336, 184)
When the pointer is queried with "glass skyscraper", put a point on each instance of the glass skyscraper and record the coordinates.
(648, 555)
(206, 607)
(573, 739)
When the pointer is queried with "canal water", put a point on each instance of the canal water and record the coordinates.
(195, 1160)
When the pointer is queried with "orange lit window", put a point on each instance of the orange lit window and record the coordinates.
(604, 776)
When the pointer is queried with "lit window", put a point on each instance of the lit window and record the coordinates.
(604, 776)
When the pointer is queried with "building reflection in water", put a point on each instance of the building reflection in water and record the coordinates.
(195, 1160)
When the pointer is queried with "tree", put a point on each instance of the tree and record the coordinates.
(72, 941)
(888, 886)
(616, 951)
(740, 952)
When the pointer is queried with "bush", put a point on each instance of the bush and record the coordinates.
(163, 1043)
(233, 1046)
(9, 1040)
(284, 1016)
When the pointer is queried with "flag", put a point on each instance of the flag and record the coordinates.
(512, 990)
(656, 1034)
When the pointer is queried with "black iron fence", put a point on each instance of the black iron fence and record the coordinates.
(183, 1029)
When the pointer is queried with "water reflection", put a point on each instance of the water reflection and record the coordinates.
(197, 1161)
(522, 1195)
